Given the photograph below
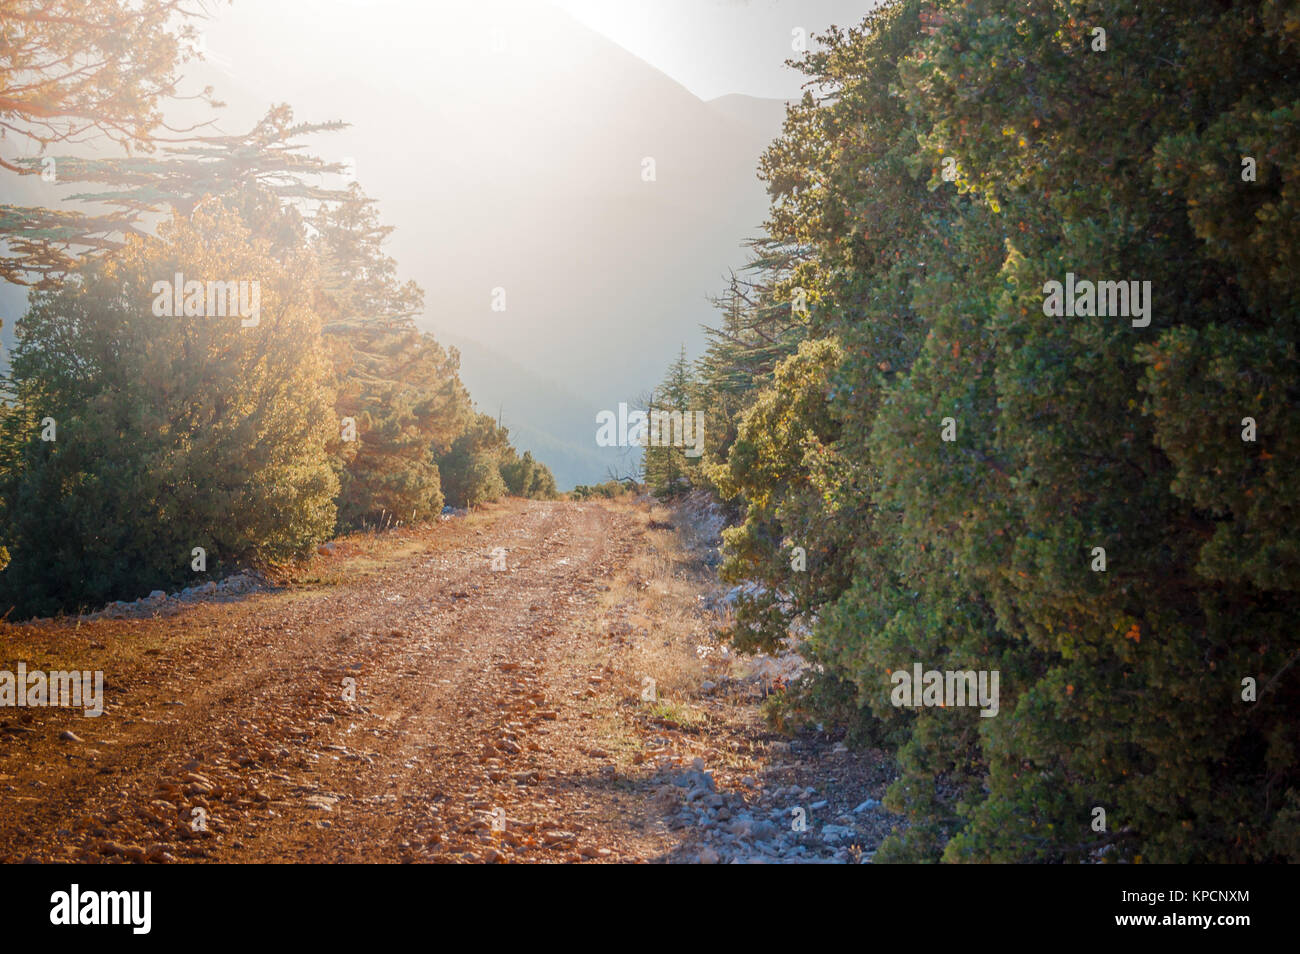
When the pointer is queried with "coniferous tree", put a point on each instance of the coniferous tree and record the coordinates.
(672, 433)
(400, 396)
(1100, 507)
(134, 437)
(471, 468)
(72, 70)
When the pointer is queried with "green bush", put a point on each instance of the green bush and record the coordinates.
(526, 477)
(961, 156)
(609, 490)
(471, 468)
(170, 433)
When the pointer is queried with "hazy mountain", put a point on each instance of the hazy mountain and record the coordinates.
(506, 142)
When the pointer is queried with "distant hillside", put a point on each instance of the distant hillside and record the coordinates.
(522, 170)
(558, 426)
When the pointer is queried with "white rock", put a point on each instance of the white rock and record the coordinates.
(833, 833)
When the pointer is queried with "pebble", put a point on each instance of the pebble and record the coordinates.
(752, 825)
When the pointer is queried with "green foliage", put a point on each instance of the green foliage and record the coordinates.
(761, 324)
(471, 468)
(671, 464)
(781, 465)
(399, 388)
(1120, 689)
(184, 432)
(170, 432)
(609, 490)
(526, 477)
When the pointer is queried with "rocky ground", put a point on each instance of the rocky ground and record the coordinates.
(398, 699)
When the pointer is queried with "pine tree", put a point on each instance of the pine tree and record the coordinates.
(668, 469)
(398, 389)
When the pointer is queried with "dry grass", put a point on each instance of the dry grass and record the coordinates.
(665, 605)
(653, 608)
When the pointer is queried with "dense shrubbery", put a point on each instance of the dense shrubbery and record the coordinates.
(471, 469)
(526, 477)
(166, 433)
(609, 490)
(890, 296)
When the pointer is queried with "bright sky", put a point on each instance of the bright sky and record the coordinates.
(711, 47)
(714, 47)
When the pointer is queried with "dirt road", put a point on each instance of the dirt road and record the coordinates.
(400, 701)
